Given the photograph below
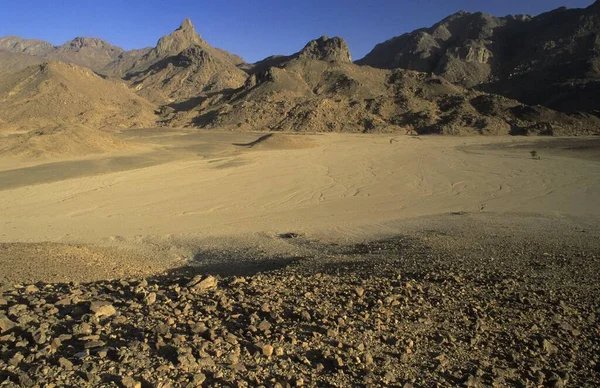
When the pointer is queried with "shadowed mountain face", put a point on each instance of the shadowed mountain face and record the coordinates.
(182, 66)
(320, 89)
(552, 59)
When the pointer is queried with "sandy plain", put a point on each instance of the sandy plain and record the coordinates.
(178, 192)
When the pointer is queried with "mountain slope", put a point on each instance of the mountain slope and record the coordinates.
(320, 89)
(54, 94)
(552, 59)
(13, 62)
(183, 66)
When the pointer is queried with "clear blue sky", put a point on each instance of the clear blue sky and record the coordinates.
(253, 29)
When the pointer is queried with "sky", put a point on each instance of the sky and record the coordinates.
(253, 29)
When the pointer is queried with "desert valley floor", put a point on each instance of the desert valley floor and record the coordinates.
(340, 259)
(207, 184)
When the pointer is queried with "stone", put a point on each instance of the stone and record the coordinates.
(267, 350)
(93, 344)
(16, 359)
(102, 309)
(549, 347)
(6, 324)
(198, 284)
(473, 382)
(64, 302)
(150, 298)
(187, 362)
(31, 289)
(82, 329)
(198, 379)
(305, 315)
(130, 382)
(389, 378)
(65, 364)
(264, 325)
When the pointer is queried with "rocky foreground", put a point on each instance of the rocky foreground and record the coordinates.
(391, 313)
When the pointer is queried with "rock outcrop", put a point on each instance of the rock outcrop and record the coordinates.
(326, 49)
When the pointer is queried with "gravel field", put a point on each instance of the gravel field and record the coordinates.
(504, 310)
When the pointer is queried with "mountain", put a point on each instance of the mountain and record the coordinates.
(17, 45)
(324, 48)
(320, 89)
(89, 52)
(18, 53)
(92, 53)
(552, 59)
(54, 94)
(124, 62)
(182, 66)
(13, 62)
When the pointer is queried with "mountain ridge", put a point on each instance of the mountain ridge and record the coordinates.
(325, 91)
(552, 59)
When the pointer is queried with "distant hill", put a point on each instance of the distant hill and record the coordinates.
(54, 94)
(552, 59)
(16, 45)
(93, 53)
(320, 89)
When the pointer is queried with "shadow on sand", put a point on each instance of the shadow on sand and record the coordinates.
(255, 142)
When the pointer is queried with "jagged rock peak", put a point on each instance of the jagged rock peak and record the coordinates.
(187, 25)
(185, 36)
(327, 49)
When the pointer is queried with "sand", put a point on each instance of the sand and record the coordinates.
(189, 189)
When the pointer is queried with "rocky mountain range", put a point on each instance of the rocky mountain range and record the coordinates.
(470, 73)
(552, 59)
(320, 89)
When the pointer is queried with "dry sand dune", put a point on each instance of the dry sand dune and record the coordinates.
(343, 183)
